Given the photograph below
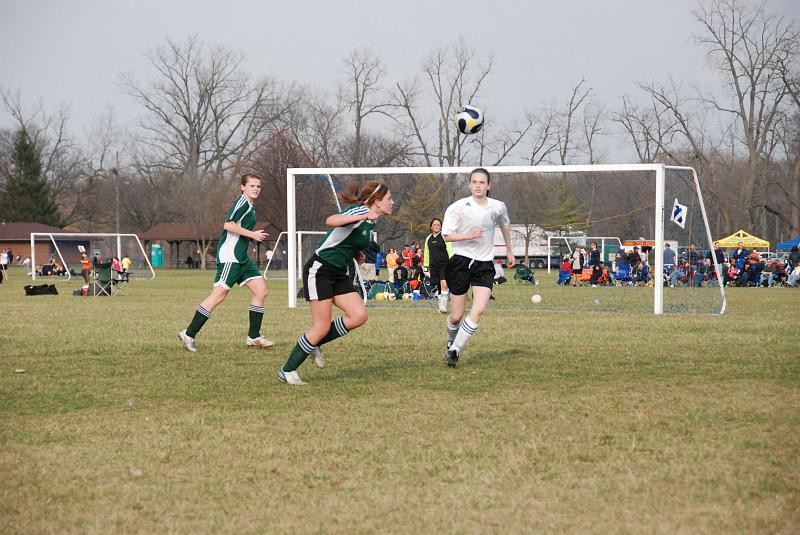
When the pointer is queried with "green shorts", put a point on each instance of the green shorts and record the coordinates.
(230, 273)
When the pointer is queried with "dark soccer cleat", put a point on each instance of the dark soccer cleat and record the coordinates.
(451, 358)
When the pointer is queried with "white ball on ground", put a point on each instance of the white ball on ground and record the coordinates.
(596, 301)
(536, 299)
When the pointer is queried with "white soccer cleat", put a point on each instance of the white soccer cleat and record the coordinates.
(187, 341)
(317, 358)
(260, 342)
(290, 378)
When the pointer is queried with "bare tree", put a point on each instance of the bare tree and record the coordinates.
(363, 71)
(651, 129)
(569, 123)
(204, 115)
(454, 76)
(743, 43)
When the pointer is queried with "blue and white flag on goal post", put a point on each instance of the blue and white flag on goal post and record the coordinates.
(679, 213)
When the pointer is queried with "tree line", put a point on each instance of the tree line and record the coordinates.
(205, 120)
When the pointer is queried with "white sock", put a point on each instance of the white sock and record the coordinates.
(452, 330)
(466, 330)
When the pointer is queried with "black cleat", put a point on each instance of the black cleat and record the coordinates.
(451, 358)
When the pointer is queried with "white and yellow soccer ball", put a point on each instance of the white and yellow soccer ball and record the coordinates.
(469, 120)
(536, 299)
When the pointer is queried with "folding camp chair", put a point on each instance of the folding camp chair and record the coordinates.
(103, 283)
(524, 274)
(623, 274)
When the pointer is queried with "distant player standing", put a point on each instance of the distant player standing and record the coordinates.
(235, 267)
(325, 276)
(437, 254)
(469, 223)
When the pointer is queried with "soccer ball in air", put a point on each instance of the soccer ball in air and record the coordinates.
(536, 299)
(469, 120)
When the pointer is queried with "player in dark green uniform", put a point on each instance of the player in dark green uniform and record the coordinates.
(325, 275)
(235, 267)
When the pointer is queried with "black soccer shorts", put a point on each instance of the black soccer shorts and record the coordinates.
(463, 272)
(324, 281)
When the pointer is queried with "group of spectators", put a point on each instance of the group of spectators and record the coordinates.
(410, 257)
(52, 268)
(587, 267)
(742, 267)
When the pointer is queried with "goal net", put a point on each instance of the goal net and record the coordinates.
(631, 211)
(306, 243)
(65, 250)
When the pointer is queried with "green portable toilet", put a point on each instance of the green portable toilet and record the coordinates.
(156, 255)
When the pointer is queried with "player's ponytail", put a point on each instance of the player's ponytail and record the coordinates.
(371, 192)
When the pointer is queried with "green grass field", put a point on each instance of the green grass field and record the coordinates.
(552, 423)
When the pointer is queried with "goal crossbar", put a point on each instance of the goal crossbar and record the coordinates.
(660, 180)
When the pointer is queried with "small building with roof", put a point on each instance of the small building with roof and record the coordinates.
(182, 241)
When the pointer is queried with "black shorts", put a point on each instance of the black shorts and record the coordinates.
(463, 272)
(324, 281)
(436, 273)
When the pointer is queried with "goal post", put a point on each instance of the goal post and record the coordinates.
(657, 186)
(114, 244)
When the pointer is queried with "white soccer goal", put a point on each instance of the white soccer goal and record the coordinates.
(636, 196)
(66, 248)
(605, 243)
(277, 264)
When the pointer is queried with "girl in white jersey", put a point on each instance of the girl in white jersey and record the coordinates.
(469, 223)
(235, 267)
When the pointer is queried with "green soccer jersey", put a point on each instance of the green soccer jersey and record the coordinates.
(341, 244)
(232, 246)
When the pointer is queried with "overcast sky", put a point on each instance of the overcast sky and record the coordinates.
(72, 52)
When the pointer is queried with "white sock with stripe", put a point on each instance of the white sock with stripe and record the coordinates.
(466, 330)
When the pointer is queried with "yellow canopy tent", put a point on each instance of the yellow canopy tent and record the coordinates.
(748, 240)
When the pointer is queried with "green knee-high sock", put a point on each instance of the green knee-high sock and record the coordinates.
(337, 330)
(298, 354)
(256, 314)
(200, 318)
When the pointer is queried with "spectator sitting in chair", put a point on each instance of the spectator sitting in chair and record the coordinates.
(640, 274)
(680, 271)
(779, 271)
(744, 276)
(597, 273)
(415, 275)
(733, 274)
(565, 272)
(794, 276)
(767, 275)
(701, 271)
(400, 275)
(499, 273)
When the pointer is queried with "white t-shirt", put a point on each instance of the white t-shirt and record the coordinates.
(466, 214)
(3, 258)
